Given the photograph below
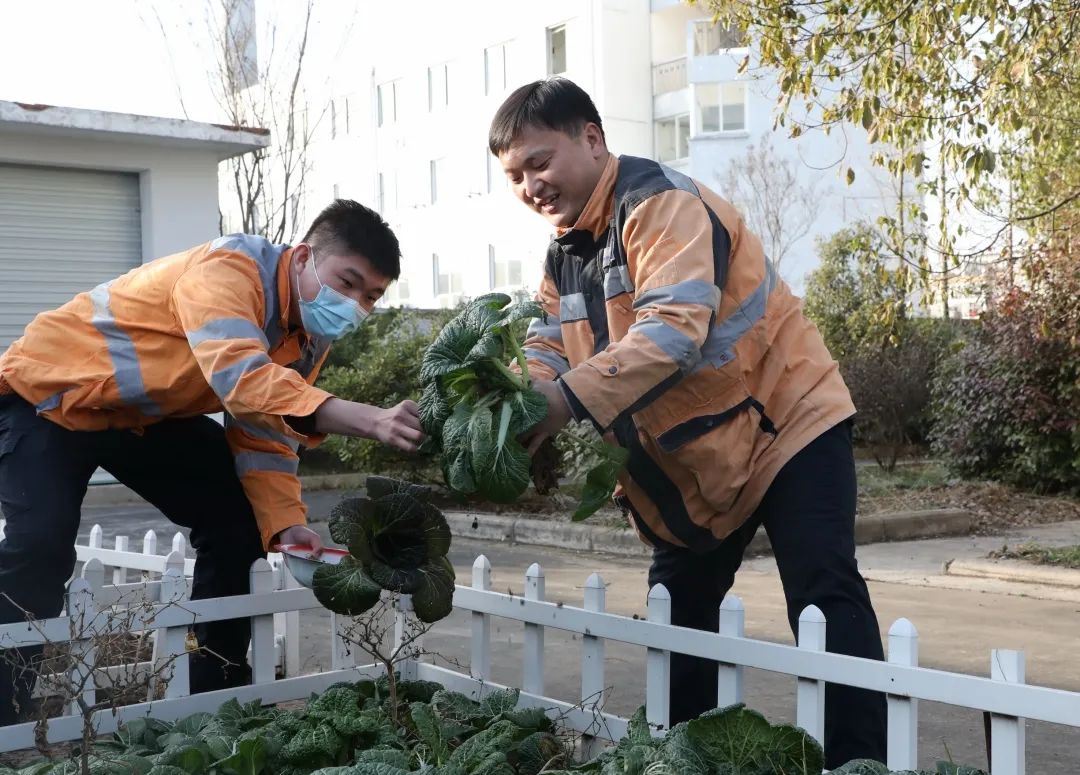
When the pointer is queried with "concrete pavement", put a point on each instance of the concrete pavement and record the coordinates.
(958, 626)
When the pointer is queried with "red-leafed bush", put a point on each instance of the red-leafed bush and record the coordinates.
(1007, 403)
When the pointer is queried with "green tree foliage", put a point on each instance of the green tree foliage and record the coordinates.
(992, 84)
(853, 297)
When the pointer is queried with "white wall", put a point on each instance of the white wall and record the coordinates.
(607, 55)
(179, 188)
(624, 92)
(819, 160)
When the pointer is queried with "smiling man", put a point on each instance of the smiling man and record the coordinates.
(123, 376)
(670, 331)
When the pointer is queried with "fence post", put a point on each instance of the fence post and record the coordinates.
(533, 666)
(96, 537)
(480, 662)
(1007, 735)
(149, 543)
(403, 606)
(658, 664)
(93, 572)
(903, 738)
(341, 652)
(179, 543)
(81, 613)
(119, 571)
(592, 665)
(262, 627)
(287, 624)
(810, 700)
(171, 642)
(729, 687)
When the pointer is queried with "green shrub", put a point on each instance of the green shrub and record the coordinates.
(1007, 403)
(379, 364)
(887, 357)
(890, 385)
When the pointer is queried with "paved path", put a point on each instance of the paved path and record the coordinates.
(958, 627)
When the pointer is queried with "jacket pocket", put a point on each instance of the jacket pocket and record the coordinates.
(718, 445)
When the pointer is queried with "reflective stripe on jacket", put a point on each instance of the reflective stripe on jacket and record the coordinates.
(195, 333)
(669, 328)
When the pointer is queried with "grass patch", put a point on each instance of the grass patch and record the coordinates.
(1061, 556)
(874, 481)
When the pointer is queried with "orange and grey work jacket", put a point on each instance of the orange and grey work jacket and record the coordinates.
(190, 334)
(669, 327)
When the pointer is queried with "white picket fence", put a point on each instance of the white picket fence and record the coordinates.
(274, 596)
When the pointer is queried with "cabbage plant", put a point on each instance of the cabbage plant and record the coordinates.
(475, 408)
(397, 541)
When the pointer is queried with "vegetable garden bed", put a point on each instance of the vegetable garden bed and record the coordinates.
(644, 743)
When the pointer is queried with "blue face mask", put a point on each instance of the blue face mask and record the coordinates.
(330, 315)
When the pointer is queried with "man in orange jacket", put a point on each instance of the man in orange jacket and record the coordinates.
(669, 329)
(123, 376)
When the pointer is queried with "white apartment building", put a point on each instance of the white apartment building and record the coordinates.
(402, 124)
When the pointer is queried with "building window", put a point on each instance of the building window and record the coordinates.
(556, 48)
(444, 281)
(711, 39)
(438, 87)
(495, 69)
(387, 99)
(503, 273)
(436, 168)
(398, 291)
(673, 138)
(300, 124)
(380, 193)
(494, 171)
(722, 107)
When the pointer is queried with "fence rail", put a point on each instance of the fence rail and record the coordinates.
(275, 602)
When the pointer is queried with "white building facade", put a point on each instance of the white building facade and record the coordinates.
(401, 125)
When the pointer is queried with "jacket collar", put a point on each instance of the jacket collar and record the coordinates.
(598, 210)
(285, 288)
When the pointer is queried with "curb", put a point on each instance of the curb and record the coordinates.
(1014, 570)
(879, 528)
(119, 495)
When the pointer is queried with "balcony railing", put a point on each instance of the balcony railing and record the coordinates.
(669, 76)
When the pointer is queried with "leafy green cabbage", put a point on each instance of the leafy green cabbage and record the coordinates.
(475, 409)
(397, 541)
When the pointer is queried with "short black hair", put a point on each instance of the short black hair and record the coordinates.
(554, 103)
(348, 227)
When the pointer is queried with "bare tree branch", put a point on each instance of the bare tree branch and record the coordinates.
(776, 204)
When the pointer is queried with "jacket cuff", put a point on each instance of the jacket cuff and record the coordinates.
(577, 409)
(581, 381)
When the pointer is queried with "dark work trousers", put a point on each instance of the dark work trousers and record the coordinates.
(809, 515)
(183, 467)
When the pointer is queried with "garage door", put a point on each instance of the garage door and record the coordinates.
(62, 231)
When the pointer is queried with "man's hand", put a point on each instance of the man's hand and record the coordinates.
(398, 426)
(302, 535)
(558, 414)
